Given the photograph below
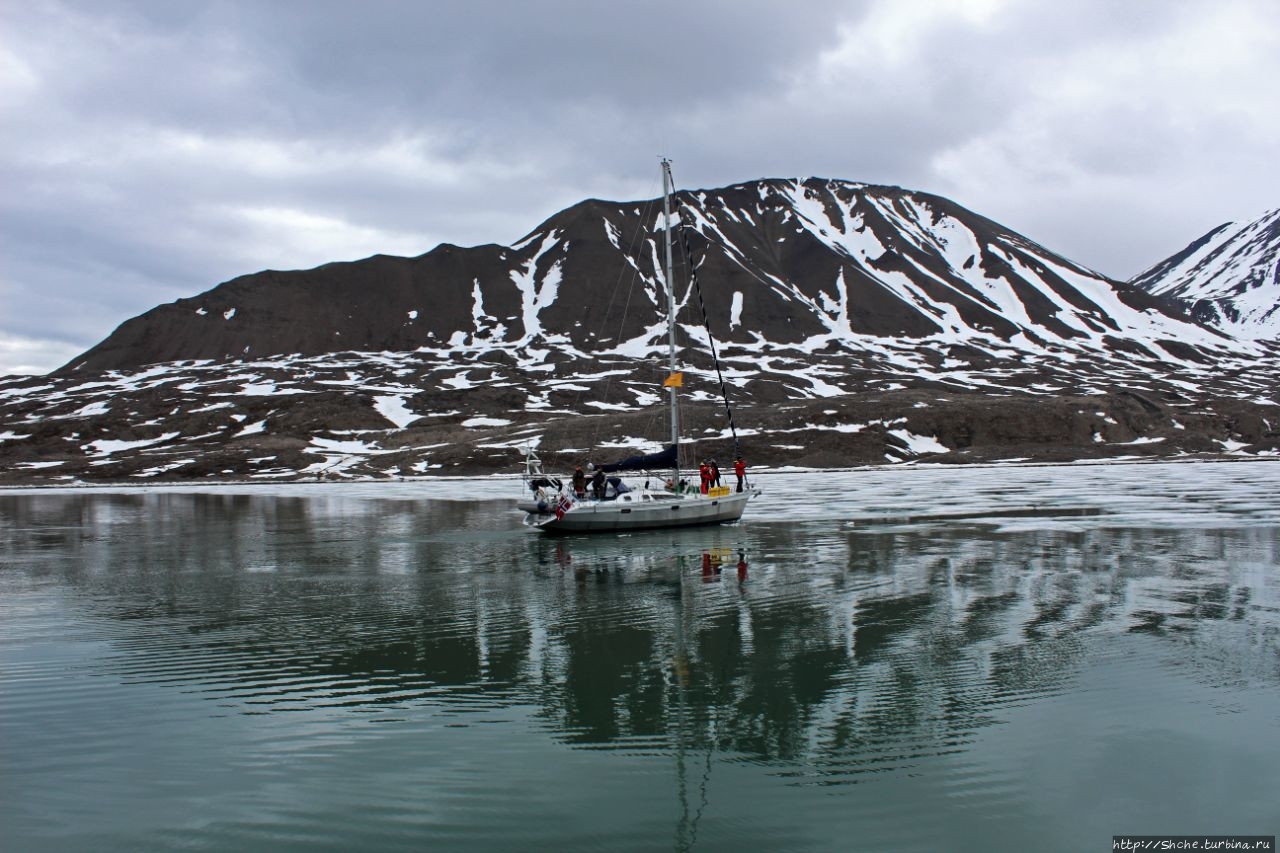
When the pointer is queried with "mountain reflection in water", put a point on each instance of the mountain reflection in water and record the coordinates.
(818, 653)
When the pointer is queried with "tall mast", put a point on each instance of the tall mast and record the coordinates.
(667, 188)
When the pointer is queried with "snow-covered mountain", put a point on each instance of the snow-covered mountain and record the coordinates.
(854, 323)
(803, 264)
(1229, 278)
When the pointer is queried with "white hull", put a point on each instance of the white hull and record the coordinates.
(645, 511)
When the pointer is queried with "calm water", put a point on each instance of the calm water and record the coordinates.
(975, 659)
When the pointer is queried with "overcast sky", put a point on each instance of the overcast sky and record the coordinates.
(150, 150)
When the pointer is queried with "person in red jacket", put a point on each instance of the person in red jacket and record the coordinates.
(740, 469)
(704, 472)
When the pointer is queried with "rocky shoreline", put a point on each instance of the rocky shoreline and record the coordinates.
(336, 436)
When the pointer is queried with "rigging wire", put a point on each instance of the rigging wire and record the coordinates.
(629, 255)
(687, 259)
(687, 254)
(626, 307)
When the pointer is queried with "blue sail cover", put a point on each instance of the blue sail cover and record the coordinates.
(645, 462)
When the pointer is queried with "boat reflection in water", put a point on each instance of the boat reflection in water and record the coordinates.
(651, 555)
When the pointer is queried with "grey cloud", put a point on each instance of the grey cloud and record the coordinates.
(145, 135)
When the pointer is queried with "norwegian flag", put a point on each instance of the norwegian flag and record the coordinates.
(563, 506)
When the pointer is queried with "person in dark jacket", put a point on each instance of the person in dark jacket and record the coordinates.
(579, 482)
(598, 485)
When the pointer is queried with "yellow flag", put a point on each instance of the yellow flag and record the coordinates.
(675, 380)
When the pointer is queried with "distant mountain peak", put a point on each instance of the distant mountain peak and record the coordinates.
(1229, 278)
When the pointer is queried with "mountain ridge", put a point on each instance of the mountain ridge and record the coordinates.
(851, 236)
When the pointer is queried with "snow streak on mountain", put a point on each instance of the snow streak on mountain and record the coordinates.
(1229, 278)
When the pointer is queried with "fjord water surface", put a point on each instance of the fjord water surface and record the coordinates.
(949, 659)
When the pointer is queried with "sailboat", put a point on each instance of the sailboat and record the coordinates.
(661, 501)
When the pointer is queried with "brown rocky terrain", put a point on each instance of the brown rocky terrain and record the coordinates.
(327, 418)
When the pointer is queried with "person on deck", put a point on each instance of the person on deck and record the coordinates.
(740, 470)
(598, 485)
(579, 482)
(704, 474)
(715, 474)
